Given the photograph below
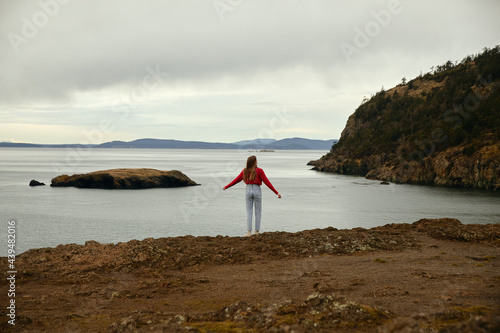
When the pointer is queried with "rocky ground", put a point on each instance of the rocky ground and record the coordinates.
(429, 276)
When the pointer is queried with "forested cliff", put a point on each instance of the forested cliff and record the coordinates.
(441, 128)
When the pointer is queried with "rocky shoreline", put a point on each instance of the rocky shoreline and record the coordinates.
(432, 275)
(439, 129)
(451, 167)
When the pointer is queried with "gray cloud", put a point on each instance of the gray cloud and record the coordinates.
(52, 51)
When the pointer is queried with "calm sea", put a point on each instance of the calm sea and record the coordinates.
(47, 217)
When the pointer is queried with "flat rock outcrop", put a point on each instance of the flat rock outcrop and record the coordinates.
(124, 179)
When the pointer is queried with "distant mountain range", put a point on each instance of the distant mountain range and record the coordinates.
(284, 144)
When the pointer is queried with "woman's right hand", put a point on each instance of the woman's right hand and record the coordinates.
(279, 196)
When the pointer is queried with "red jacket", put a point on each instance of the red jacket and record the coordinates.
(259, 178)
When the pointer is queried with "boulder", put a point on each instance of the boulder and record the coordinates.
(125, 179)
(34, 182)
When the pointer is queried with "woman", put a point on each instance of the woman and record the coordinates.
(253, 177)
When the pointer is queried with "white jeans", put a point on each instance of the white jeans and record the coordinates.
(253, 197)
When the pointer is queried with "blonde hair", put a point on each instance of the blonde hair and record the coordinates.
(249, 172)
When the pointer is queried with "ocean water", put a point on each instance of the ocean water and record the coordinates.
(47, 217)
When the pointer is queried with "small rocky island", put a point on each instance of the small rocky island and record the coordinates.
(35, 182)
(125, 179)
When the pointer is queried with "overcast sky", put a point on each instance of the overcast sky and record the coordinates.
(75, 71)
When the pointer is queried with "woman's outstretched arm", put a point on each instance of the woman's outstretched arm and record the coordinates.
(266, 181)
(236, 180)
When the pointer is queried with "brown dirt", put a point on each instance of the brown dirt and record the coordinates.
(429, 276)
